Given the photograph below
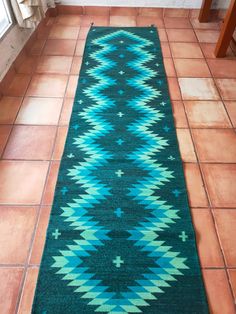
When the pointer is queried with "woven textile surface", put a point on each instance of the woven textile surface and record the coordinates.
(120, 237)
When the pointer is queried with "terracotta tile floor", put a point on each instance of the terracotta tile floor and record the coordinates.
(33, 115)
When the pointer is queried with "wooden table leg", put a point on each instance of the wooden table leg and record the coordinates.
(205, 11)
(226, 31)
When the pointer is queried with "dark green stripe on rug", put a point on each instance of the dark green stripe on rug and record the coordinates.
(120, 238)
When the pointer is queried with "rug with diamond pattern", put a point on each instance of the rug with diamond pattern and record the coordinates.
(120, 237)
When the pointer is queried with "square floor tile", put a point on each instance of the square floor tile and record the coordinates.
(16, 231)
(68, 20)
(59, 47)
(41, 83)
(218, 291)
(225, 224)
(222, 68)
(165, 47)
(10, 279)
(5, 131)
(43, 31)
(207, 242)
(43, 111)
(227, 88)
(19, 62)
(179, 114)
(37, 47)
(24, 62)
(9, 107)
(60, 142)
(18, 85)
(162, 35)
(209, 25)
(50, 21)
(176, 12)
(231, 109)
(70, 10)
(28, 290)
(54, 64)
(125, 11)
(177, 22)
(72, 86)
(40, 236)
(26, 66)
(22, 182)
(220, 180)
(169, 67)
(215, 145)
(122, 20)
(195, 187)
(76, 65)
(96, 10)
(66, 111)
(101, 20)
(180, 35)
(194, 13)
(207, 114)
(83, 32)
(232, 277)
(191, 68)
(207, 36)
(30, 142)
(64, 32)
(79, 51)
(186, 145)
(174, 90)
(51, 183)
(198, 89)
(151, 11)
(186, 50)
(209, 51)
(150, 20)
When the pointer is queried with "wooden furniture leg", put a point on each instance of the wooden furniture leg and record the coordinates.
(226, 31)
(205, 11)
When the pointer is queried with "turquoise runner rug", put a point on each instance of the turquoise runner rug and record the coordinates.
(120, 238)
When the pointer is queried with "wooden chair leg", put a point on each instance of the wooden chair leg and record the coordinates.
(226, 31)
(205, 11)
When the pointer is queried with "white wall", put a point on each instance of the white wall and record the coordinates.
(10, 46)
(147, 3)
(12, 43)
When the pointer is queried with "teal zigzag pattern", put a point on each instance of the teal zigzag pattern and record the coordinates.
(163, 215)
(70, 260)
(94, 191)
